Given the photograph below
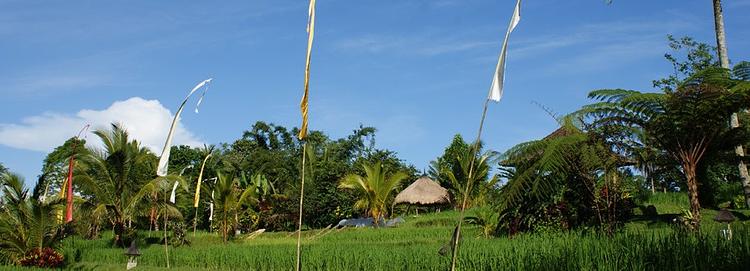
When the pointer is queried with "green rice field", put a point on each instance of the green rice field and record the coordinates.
(641, 245)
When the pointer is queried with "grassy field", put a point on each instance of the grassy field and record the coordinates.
(643, 245)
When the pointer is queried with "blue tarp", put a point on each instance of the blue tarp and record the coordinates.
(369, 222)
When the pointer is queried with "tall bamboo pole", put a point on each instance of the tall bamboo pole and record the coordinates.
(301, 197)
(303, 128)
(469, 179)
(166, 217)
(198, 193)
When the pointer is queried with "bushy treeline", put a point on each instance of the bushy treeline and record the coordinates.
(249, 184)
(607, 155)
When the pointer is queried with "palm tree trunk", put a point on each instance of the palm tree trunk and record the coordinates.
(224, 227)
(648, 178)
(721, 45)
(744, 175)
(721, 40)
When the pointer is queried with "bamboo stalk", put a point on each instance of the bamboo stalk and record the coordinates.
(166, 217)
(301, 197)
(469, 178)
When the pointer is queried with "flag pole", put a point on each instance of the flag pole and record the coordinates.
(301, 197)
(166, 217)
(303, 128)
(496, 93)
(163, 165)
(69, 186)
(198, 193)
(473, 152)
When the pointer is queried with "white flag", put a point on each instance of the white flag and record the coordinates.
(173, 196)
(174, 187)
(496, 90)
(211, 208)
(161, 170)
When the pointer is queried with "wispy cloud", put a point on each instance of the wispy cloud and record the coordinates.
(32, 84)
(597, 35)
(146, 120)
(600, 46)
(423, 45)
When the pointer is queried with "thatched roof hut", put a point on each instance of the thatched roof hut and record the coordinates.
(423, 191)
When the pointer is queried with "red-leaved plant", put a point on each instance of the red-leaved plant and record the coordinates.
(45, 257)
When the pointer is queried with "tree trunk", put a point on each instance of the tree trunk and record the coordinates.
(224, 227)
(653, 188)
(646, 174)
(692, 184)
(721, 40)
(721, 45)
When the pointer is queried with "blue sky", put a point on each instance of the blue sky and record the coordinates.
(418, 70)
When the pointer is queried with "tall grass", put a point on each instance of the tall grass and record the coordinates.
(670, 202)
(415, 244)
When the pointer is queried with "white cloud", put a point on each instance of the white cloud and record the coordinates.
(146, 121)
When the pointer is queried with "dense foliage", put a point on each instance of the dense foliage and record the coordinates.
(570, 178)
(27, 224)
(452, 168)
(374, 189)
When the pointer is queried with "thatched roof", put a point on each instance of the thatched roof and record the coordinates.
(560, 132)
(423, 191)
(725, 216)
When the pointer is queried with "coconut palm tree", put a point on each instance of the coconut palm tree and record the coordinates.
(231, 200)
(26, 223)
(721, 48)
(160, 208)
(480, 183)
(374, 188)
(112, 176)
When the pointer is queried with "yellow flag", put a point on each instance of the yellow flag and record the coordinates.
(200, 178)
(303, 106)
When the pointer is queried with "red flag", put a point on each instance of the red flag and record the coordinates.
(69, 194)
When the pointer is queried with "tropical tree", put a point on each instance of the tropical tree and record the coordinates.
(231, 200)
(26, 223)
(451, 170)
(448, 161)
(486, 218)
(55, 165)
(111, 177)
(567, 179)
(374, 188)
(160, 186)
(687, 123)
(480, 183)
